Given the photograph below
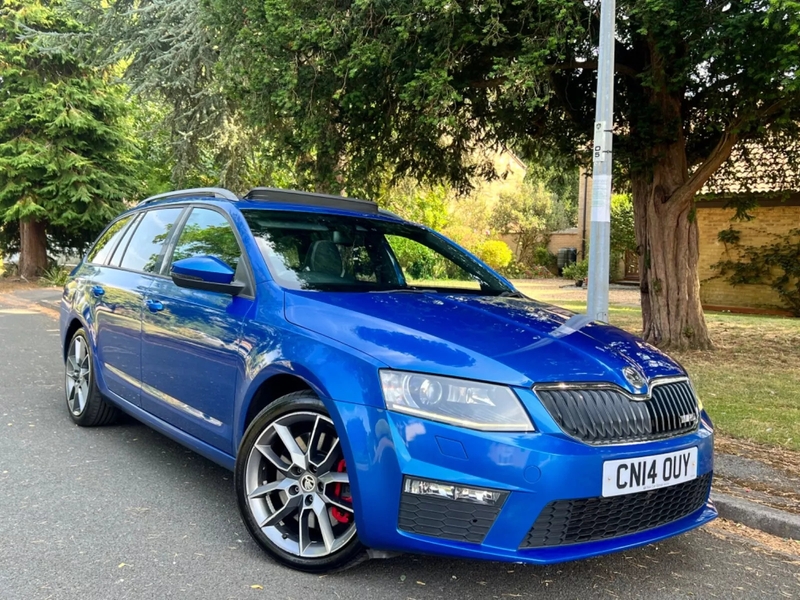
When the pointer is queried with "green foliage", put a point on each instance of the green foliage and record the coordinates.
(67, 157)
(212, 240)
(559, 177)
(427, 205)
(730, 236)
(542, 256)
(168, 58)
(466, 237)
(577, 270)
(524, 215)
(418, 85)
(294, 96)
(416, 260)
(623, 231)
(194, 135)
(55, 276)
(495, 253)
(148, 118)
(517, 270)
(776, 265)
(5, 269)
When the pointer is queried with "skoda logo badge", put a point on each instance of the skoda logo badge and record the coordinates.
(308, 483)
(634, 377)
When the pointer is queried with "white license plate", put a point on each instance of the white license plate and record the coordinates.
(631, 475)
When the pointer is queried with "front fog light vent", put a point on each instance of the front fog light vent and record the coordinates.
(446, 510)
(450, 491)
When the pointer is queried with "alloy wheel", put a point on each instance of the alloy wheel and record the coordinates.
(78, 375)
(297, 486)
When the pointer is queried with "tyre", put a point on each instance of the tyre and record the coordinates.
(293, 489)
(84, 402)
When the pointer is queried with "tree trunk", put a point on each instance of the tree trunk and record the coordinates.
(666, 233)
(663, 206)
(33, 248)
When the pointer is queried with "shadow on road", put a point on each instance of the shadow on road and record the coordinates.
(418, 575)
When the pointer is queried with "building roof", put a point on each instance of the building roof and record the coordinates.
(756, 169)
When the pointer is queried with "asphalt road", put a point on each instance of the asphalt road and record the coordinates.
(122, 512)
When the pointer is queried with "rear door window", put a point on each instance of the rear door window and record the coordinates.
(107, 242)
(146, 248)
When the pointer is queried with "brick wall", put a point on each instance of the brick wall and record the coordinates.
(770, 218)
(566, 238)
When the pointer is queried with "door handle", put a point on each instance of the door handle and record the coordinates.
(155, 305)
(98, 291)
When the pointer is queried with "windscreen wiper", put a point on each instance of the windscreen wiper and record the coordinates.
(511, 294)
(407, 290)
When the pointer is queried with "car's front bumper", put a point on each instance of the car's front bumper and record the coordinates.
(534, 468)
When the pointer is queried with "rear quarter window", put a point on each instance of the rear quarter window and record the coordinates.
(107, 242)
(116, 256)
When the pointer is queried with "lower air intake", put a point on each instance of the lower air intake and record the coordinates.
(575, 521)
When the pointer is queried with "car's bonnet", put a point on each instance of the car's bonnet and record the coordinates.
(506, 340)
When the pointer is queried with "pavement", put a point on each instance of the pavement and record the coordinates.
(756, 493)
(123, 512)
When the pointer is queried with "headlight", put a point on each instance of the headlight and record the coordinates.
(470, 404)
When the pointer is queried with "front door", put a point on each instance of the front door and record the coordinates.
(190, 338)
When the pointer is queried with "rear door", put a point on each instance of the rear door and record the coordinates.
(111, 311)
(190, 338)
(118, 286)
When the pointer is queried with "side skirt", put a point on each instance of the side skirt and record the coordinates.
(192, 443)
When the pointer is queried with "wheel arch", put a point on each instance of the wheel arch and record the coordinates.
(272, 383)
(273, 386)
(73, 326)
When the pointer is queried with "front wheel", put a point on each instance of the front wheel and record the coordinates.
(293, 488)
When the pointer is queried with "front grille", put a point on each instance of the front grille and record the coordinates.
(445, 518)
(576, 521)
(609, 415)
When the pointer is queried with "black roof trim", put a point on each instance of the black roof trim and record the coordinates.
(210, 192)
(311, 198)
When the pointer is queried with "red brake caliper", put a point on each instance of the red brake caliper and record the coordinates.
(339, 515)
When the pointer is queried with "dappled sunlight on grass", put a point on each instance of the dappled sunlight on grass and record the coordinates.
(750, 383)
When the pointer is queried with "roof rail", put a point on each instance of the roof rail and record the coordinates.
(311, 198)
(212, 192)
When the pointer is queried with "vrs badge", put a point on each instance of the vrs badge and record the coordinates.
(635, 378)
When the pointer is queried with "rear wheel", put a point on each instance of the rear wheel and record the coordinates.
(293, 487)
(84, 402)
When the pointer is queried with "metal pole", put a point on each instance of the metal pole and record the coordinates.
(600, 232)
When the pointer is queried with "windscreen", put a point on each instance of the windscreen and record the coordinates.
(313, 251)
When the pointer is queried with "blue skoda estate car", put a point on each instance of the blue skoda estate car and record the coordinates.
(376, 388)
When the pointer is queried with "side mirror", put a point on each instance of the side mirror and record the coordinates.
(205, 273)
